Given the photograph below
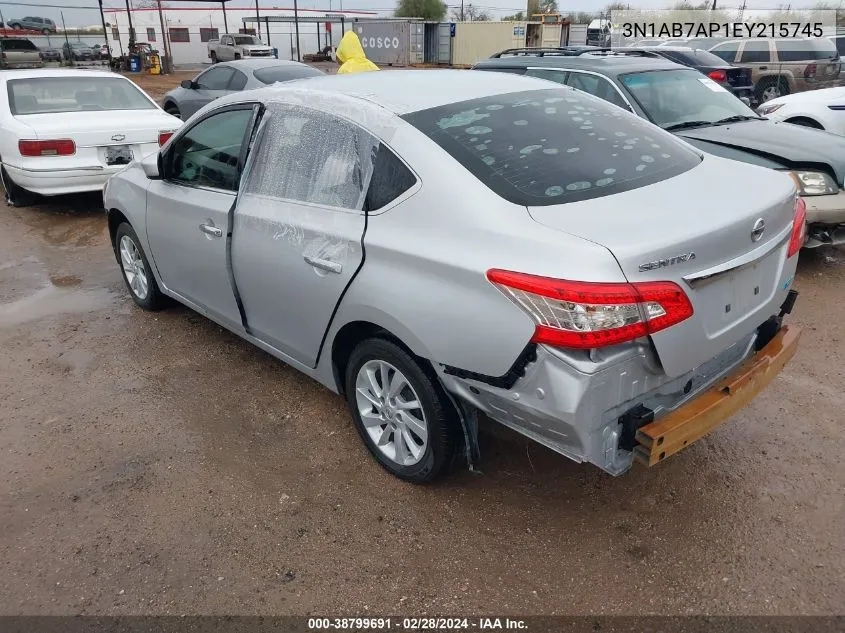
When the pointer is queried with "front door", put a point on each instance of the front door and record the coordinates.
(188, 210)
(211, 85)
(298, 226)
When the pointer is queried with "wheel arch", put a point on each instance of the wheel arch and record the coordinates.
(115, 218)
(353, 332)
(801, 119)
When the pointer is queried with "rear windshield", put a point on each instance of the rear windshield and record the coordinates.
(14, 44)
(695, 58)
(242, 40)
(43, 95)
(546, 147)
(799, 50)
(284, 73)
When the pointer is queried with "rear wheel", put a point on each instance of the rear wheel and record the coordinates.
(137, 274)
(46, 31)
(400, 411)
(771, 88)
(173, 110)
(16, 196)
(213, 57)
(804, 121)
(237, 55)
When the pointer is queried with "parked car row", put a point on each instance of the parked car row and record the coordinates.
(20, 52)
(693, 106)
(778, 66)
(627, 228)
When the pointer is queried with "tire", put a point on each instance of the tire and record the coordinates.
(16, 27)
(15, 195)
(237, 56)
(377, 362)
(135, 269)
(213, 57)
(46, 32)
(173, 110)
(771, 88)
(805, 122)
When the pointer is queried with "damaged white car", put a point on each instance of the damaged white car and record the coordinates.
(431, 245)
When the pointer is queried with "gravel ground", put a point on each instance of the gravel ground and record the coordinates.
(154, 463)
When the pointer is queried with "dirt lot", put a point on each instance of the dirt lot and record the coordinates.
(154, 463)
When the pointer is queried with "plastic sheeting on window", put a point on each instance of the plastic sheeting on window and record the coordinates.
(306, 155)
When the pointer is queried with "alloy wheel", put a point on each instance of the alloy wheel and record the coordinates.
(391, 412)
(133, 267)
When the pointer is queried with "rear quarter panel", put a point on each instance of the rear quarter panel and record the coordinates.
(424, 274)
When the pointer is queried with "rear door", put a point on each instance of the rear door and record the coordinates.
(299, 225)
(188, 210)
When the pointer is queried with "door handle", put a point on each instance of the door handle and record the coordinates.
(324, 264)
(211, 230)
(764, 68)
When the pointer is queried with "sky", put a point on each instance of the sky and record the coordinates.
(76, 14)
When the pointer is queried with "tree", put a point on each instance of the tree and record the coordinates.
(548, 6)
(433, 10)
(471, 14)
(519, 16)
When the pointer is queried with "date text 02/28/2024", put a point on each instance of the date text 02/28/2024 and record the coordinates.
(415, 624)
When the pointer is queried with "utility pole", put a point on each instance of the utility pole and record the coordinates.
(165, 61)
(296, 24)
(462, 10)
(257, 20)
(67, 42)
(131, 29)
(105, 32)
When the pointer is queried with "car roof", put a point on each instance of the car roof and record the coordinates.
(610, 65)
(255, 64)
(56, 72)
(404, 91)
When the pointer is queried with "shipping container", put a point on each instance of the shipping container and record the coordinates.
(577, 34)
(438, 43)
(475, 41)
(551, 35)
(392, 42)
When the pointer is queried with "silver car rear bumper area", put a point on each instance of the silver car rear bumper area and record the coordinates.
(580, 414)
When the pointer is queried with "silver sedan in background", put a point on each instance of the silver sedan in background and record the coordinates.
(228, 77)
(435, 244)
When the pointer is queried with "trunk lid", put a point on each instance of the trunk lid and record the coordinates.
(701, 239)
(97, 128)
(738, 77)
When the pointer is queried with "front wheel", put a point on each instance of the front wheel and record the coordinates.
(137, 274)
(400, 411)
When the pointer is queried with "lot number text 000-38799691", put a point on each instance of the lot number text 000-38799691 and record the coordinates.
(415, 624)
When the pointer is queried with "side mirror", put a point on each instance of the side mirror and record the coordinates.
(151, 166)
(188, 84)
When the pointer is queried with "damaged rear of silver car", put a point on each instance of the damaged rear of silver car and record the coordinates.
(431, 245)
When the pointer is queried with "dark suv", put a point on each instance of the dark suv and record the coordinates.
(683, 101)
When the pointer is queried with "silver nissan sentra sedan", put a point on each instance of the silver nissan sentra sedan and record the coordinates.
(434, 244)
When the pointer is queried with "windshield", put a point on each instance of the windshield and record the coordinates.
(13, 44)
(672, 97)
(44, 95)
(240, 40)
(549, 147)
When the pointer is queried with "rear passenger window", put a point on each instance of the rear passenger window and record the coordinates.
(755, 52)
(313, 157)
(726, 52)
(550, 75)
(391, 178)
(598, 86)
(238, 81)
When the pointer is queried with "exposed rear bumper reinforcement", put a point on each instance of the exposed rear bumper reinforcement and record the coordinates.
(694, 420)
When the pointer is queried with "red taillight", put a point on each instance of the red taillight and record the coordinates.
(586, 315)
(163, 137)
(799, 228)
(810, 71)
(718, 75)
(60, 147)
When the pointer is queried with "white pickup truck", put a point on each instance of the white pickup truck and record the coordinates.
(236, 46)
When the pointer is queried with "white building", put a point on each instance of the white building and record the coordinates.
(188, 29)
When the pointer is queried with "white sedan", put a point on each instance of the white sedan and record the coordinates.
(68, 131)
(820, 109)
